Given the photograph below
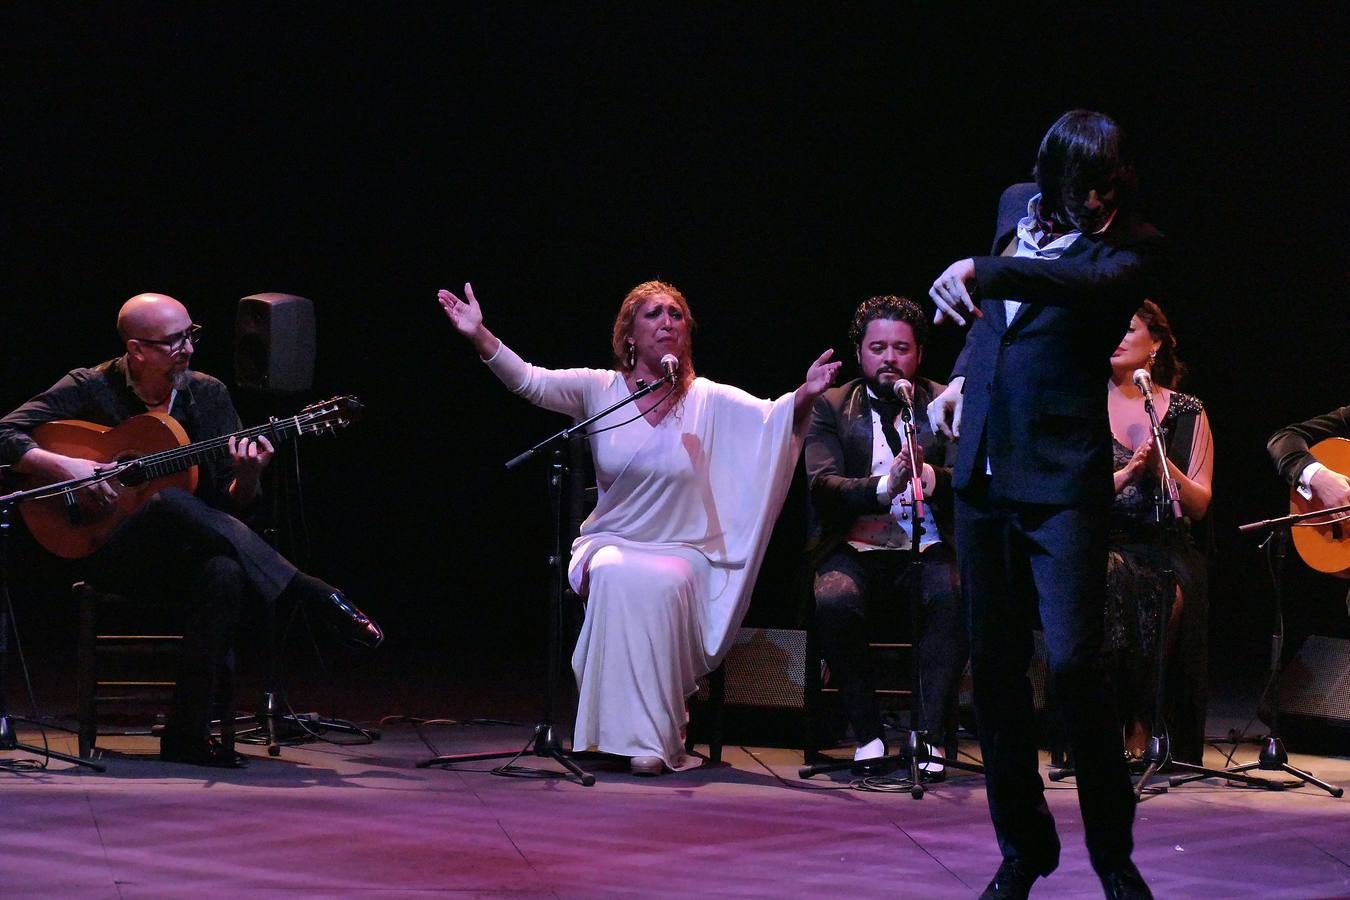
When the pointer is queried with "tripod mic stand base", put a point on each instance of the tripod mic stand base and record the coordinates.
(1272, 758)
(9, 741)
(863, 768)
(879, 767)
(1193, 773)
(271, 726)
(909, 759)
(542, 743)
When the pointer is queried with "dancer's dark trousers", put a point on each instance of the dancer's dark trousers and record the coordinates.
(1018, 560)
(180, 549)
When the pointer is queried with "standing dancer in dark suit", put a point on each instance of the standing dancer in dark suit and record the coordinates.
(1033, 484)
(861, 531)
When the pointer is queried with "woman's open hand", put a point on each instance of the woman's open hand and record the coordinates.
(466, 315)
(818, 378)
(820, 375)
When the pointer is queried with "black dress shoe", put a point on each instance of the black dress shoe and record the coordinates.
(871, 766)
(1012, 881)
(353, 627)
(208, 751)
(1125, 883)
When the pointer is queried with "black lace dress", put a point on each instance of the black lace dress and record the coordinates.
(1146, 561)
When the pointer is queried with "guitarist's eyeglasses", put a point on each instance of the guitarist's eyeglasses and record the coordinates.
(176, 342)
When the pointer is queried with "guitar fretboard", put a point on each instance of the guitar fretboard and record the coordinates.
(167, 462)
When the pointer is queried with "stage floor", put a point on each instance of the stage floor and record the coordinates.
(324, 821)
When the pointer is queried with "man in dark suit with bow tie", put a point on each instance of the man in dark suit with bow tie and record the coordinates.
(860, 483)
(1033, 483)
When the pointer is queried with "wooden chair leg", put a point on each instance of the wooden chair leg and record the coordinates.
(717, 689)
(86, 675)
(811, 699)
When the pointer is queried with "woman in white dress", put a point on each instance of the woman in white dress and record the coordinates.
(688, 493)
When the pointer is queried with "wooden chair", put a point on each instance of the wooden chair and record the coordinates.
(127, 656)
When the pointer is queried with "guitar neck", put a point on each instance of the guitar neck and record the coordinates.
(167, 462)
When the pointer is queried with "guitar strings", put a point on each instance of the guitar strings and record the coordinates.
(213, 445)
(277, 428)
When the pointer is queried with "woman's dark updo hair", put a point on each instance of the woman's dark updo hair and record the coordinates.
(1167, 369)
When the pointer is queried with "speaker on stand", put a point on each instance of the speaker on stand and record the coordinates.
(274, 344)
(274, 352)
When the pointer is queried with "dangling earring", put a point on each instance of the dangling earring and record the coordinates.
(1152, 358)
(632, 356)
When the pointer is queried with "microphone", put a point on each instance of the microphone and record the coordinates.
(670, 365)
(1143, 381)
(903, 390)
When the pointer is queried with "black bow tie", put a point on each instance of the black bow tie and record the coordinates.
(889, 411)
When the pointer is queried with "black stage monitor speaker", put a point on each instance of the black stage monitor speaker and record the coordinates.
(274, 343)
(1315, 697)
(765, 667)
(765, 689)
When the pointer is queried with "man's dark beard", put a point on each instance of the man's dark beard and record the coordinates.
(883, 390)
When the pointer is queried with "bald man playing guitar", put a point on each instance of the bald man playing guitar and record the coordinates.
(142, 534)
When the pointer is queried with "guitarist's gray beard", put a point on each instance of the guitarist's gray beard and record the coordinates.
(181, 380)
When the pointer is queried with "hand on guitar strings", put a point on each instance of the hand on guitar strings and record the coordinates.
(250, 456)
(103, 493)
(1330, 488)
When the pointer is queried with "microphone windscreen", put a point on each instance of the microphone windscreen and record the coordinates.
(1143, 380)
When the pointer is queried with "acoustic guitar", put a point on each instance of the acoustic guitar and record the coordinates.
(1324, 542)
(145, 454)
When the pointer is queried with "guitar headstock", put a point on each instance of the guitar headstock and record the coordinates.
(330, 416)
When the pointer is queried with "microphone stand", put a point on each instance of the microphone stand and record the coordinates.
(1158, 754)
(1170, 495)
(562, 436)
(544, 741)
(1273, 757)
(8, 737)
(917, 751)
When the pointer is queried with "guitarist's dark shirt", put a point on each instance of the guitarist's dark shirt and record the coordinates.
(103, 396)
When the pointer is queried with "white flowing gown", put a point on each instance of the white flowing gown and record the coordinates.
(668, 558)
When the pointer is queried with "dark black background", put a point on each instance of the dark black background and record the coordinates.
(779, 162)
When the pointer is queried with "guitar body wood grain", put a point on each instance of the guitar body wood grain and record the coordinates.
(75, 525)
(1324, 545)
